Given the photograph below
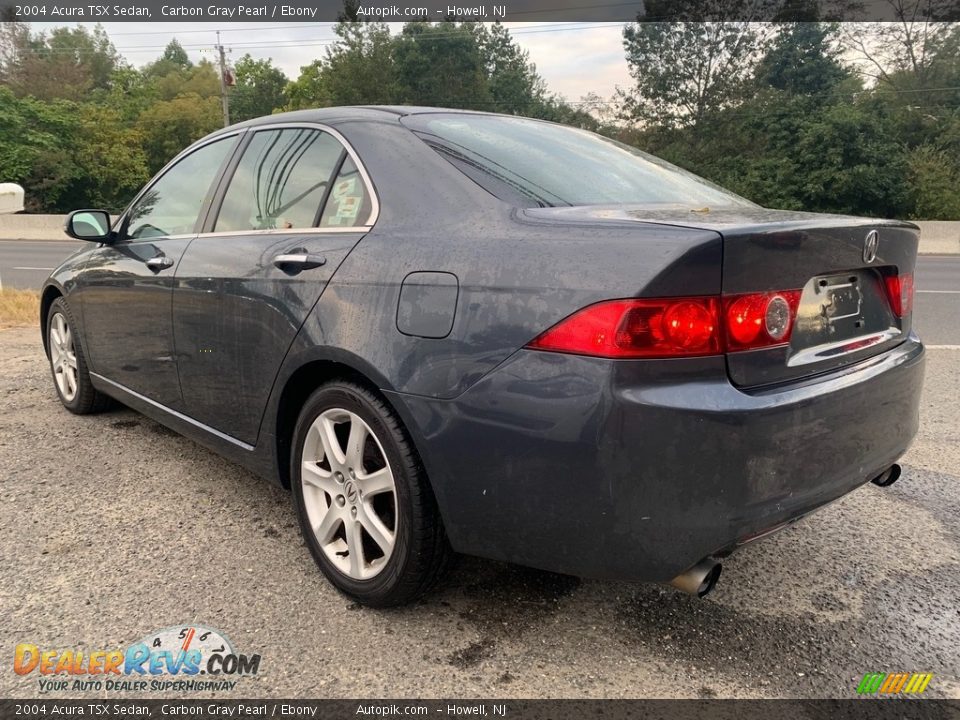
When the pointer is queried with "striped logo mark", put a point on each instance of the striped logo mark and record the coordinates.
(894, 683)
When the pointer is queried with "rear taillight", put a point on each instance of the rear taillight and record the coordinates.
(900, 293)
(669, 327)
(675, 327)
(759, 319)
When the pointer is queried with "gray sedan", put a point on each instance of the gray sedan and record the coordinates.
(454, 331)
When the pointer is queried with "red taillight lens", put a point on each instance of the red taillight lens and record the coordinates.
(900, 293)
(759, 319)
(675, 327)
(669, 327)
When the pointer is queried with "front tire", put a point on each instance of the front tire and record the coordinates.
(71, 378)
(365, 508)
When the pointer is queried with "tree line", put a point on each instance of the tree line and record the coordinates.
(830, 117)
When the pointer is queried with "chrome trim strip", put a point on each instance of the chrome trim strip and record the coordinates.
(371, 190)
(289, 231)
(174, 413)
(842, 347)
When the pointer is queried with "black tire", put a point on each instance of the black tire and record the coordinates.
(86, 399)
(421, 551)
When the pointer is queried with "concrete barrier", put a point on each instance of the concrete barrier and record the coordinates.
(32, 227)
(937, 237)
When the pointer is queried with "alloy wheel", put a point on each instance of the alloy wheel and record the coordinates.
(349, 493)
(63, 357)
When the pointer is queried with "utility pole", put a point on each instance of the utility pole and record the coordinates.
(224, 100)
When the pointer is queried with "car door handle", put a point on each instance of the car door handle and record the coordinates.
(160, 262)
(299, 261)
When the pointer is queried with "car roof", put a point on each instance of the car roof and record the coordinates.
(347, 113)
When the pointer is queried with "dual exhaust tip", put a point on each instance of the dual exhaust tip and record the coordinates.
(702, 577)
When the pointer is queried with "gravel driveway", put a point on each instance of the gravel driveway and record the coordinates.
(113, 526)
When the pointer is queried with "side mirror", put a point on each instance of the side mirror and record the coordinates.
(91, 225)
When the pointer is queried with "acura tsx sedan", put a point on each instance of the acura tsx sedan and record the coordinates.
(452, 331)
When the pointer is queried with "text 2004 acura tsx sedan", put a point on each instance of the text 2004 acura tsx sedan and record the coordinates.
(461, 331)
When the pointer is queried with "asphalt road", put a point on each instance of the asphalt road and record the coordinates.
(111, 527)
(26, 264)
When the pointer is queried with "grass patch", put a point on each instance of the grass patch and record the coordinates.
(19, 308)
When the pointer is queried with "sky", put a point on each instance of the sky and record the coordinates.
(573, 58)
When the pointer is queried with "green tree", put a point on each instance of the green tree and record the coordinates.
(112, 155)
(200, 79)
(308, 90)
(447, 64)
(802, 59)
(357, 69)
(683, 71)
(689, 58)
(68, 155)
(259, 89)
(555, 109)
(66, 63)
(175, 56)
(933, 179)
(909, 54)
(173, 61)
(513, 83)
(168, 126)
(443, 65)
(34, 145)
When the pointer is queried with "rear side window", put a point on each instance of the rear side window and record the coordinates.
(281, 181)
(548, 164)
(349, 202)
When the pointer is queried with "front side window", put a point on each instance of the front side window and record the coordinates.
(281, 181)
(548, 164)
(172, 204)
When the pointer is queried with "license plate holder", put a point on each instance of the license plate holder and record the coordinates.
(840, 298)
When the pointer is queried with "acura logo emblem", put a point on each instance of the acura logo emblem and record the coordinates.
(870, 246)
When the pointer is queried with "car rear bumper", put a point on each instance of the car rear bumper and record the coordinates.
(636, 470)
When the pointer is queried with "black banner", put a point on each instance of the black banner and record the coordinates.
(230, 11)
(861, 709)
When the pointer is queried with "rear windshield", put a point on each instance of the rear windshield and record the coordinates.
(538, 163)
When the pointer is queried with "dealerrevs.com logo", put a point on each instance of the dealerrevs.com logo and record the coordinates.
(180, 658)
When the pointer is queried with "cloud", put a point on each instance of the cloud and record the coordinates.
(586, 57)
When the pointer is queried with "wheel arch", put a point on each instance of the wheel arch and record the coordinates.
(48, 295)
(307, 377)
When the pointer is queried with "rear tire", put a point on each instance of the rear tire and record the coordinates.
(366, 510)
(68, 365)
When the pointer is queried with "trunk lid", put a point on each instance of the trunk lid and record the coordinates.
(844, 314)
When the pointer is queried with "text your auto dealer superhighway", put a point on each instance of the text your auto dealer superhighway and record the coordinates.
(237, 11)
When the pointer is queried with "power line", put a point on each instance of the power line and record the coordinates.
(224, 30)
(557, 27)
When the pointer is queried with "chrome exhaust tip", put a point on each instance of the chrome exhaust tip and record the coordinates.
(888, 477)
(700, 579)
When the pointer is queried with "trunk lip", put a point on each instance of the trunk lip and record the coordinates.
(733, 219)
